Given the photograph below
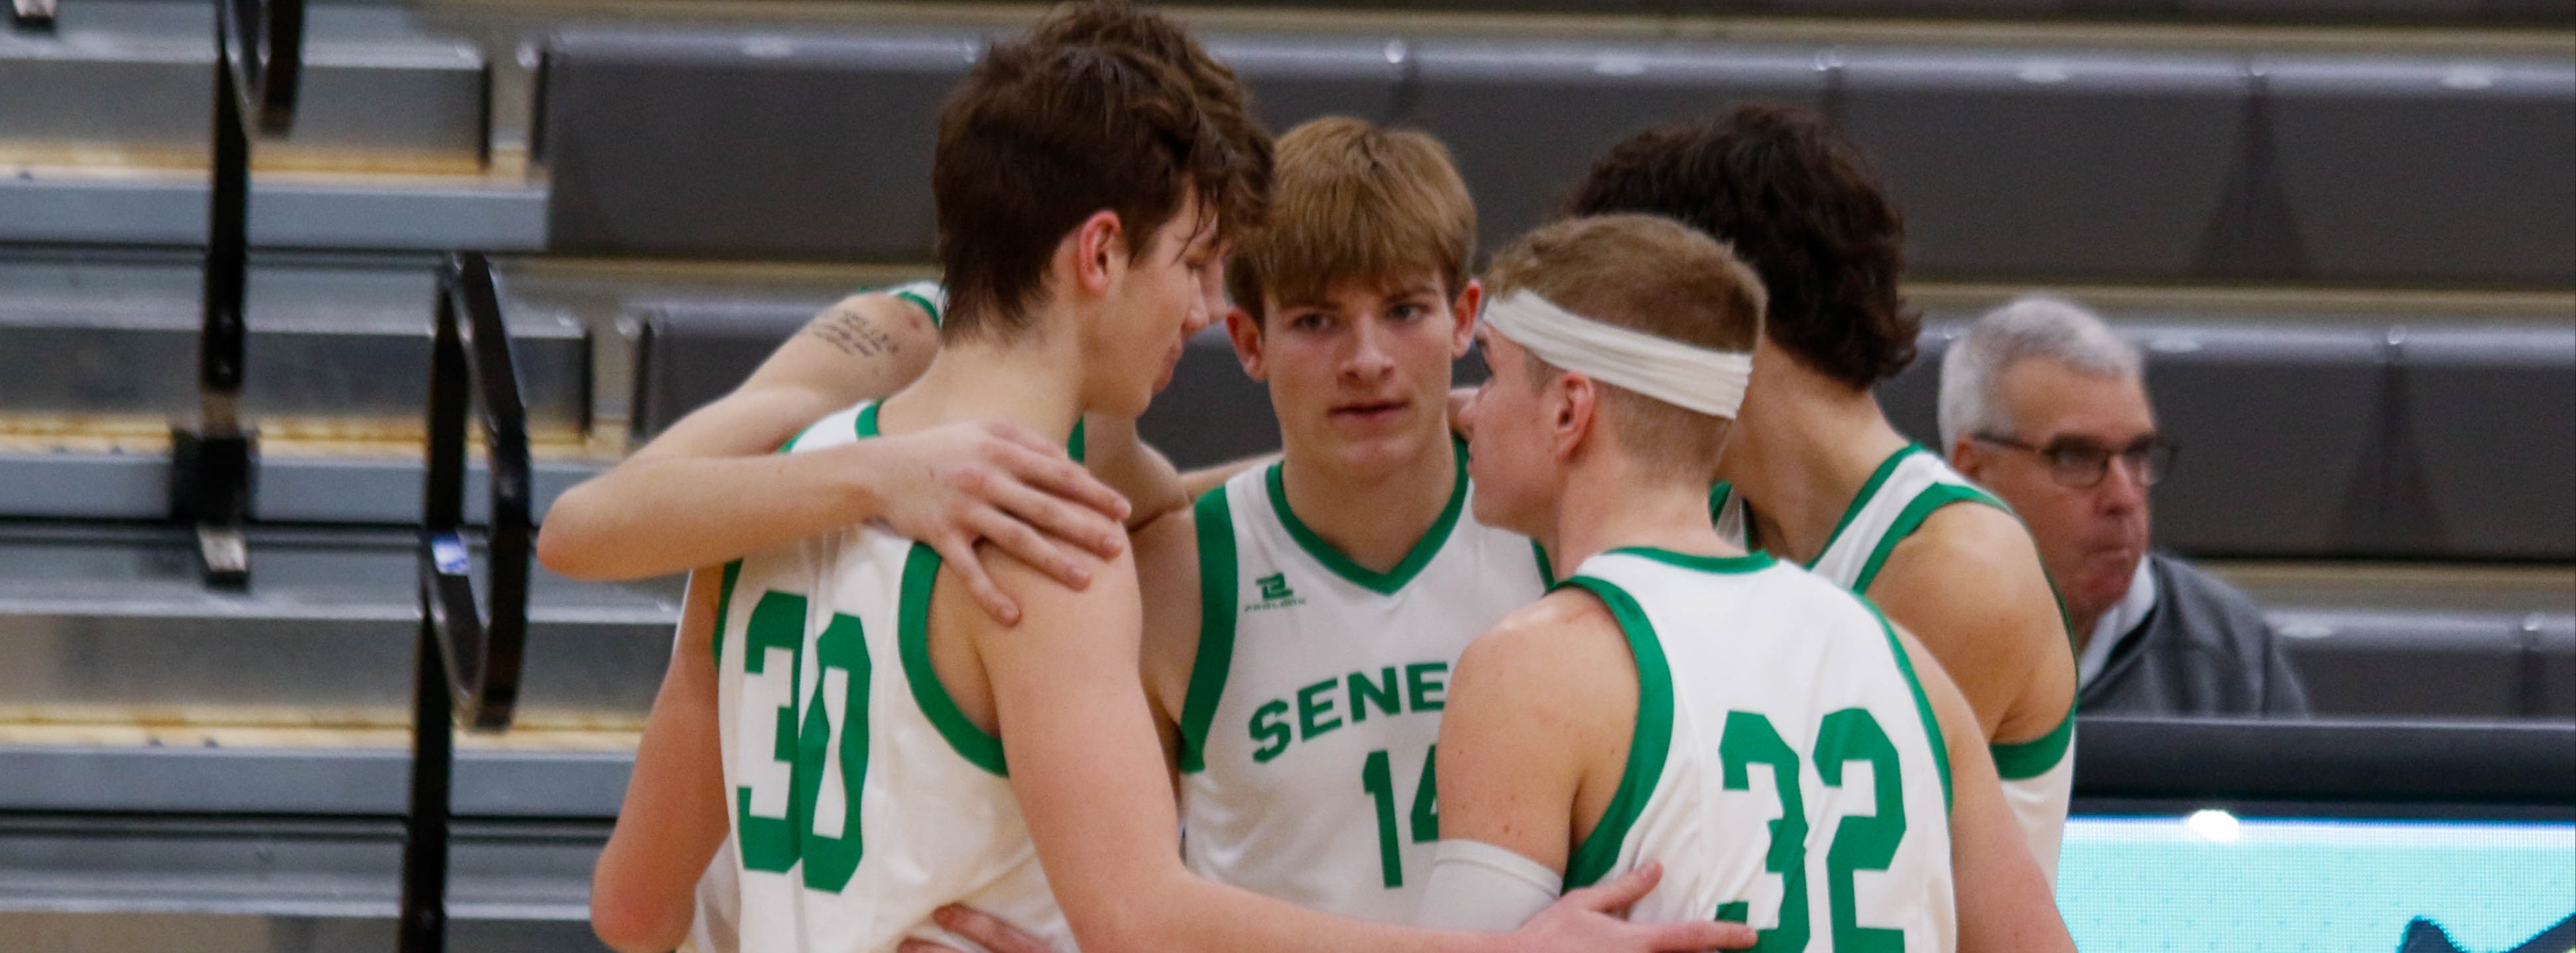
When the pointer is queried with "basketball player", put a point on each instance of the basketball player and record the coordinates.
(1618, 720)
(986, 751)
(1302, 618)
(1815, 474)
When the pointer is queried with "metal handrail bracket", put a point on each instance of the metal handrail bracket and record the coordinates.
(469, 656)
(259, 61)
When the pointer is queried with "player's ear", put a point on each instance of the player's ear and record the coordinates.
(1095, 252)
(1245, 330)
(1463, 311)
(1577, 410)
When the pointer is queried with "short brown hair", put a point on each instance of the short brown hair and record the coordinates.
(1042, 135)
(1355, 201)
(1798, 202)
(1650, 275)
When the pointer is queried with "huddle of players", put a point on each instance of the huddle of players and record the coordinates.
(856, 749)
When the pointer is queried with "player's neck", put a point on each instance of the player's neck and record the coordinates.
(1801, 452)
(1377, 516)
(1610, 504)
(1035, 381)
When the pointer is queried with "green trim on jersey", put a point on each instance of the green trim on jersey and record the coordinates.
(1922, 702)
(912, 638)
(1911, 518)
(1218, 590)
(1546, 568)
(2024, 760)
(866, 426)
(1724, 565)
(724, 603)
(1717, 497)
(1877, 478)
(1648, 744)
(912, 292)
(1382, 583)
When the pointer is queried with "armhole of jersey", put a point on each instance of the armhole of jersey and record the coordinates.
(1648, 743)
(2024, 760)
(921, 294)
(724, 603)
(1911, 518)
(912, 635)
(1546, 569)
(1922, 702)
(1215, 657)
(1073, 445)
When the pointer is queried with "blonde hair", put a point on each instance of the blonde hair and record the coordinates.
(1356, 201)
(1654, 276)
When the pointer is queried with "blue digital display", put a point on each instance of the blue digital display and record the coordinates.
(2212, 883)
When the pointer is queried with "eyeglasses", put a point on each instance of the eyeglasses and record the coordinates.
(2080, 464)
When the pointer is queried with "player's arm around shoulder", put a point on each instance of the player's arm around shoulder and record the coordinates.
(2004, 903)
(676, 503)
(1537, 722)
(1971, 586)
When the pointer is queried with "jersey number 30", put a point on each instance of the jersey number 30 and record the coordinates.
(795, 815)
(1862, 842)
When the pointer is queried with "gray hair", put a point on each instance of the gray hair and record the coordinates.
(2031, 326)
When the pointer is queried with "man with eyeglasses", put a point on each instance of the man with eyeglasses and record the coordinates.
(2042, 404)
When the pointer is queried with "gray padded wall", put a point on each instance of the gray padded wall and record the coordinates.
(1526, 119)
(2280, 430)
(1294, 78)
(744, 144)
(2428, 171)
(2368, 661)
(2009, 163)
(2490, 431)
(690, 352)
(1212, 412)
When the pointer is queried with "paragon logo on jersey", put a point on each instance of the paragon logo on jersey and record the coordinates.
(1275, 593)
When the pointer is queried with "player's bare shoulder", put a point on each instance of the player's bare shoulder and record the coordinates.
(1970, 585)
(1563, 659)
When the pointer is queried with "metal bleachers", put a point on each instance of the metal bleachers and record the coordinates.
(675, 187)
(2346, 439)
(2219, 165)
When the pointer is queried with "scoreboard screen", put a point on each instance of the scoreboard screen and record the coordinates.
(2213, 882)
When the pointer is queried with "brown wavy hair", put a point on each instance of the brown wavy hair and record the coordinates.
(1047, 131)
(1799, 204)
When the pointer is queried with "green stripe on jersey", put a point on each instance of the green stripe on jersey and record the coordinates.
(912, 637)
(2024, 760)
(1215, 660)
(1382, 583)
(1877, 478)
(1648, 743)
(1911, 518)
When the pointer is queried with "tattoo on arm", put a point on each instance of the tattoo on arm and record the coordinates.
(852, 332)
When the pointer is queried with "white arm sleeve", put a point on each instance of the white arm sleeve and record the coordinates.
(1478, 886)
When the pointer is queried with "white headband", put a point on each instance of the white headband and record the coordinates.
(1692, 378)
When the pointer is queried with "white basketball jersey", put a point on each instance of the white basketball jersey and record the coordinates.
(861, 797)
(1315, 701)
(1785, 767)
(2038, 775)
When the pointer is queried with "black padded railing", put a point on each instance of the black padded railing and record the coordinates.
(469, 652)
(2334, 767)
(259, 61)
